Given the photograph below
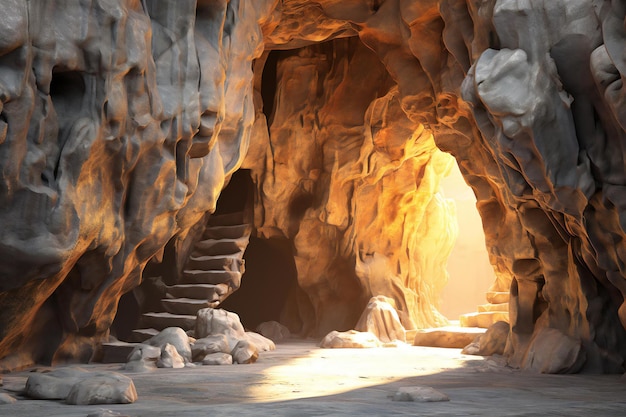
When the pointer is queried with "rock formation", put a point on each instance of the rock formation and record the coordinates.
(117, 139)
(122, 120)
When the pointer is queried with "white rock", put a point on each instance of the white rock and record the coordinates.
(6, 399)
(144, 352)
(262, 343)
(170, 358)
(174, 336)
(381, 319)
(210, 344)
(211, 321)
(350, 339)
(77, 386)
(419, 394)
(218, 358)
(245, 352)
(110, 388)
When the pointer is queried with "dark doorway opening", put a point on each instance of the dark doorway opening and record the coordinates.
(270, 270)
(270, 275)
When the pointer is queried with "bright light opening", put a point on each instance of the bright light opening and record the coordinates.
(471, 274)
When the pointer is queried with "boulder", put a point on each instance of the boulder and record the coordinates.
(245, 352)
(174, 336)
(262, 343)
(381, 319)
(274, 330)
(170, 358)
(144, 352)
(210, 321)
(350, 339)
(78, 386)
(492, 342)
(552, 352)
(216, 343)
(53, 385)
(217, 358)
(110, 388)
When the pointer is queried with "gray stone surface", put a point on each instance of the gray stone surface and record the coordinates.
(419, 394)
(106, 413)
(301, 379)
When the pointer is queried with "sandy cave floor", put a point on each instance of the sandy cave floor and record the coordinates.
(300, 379)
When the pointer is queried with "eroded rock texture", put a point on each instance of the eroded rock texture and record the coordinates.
(115, 139)
(121, 121)
(354, 182)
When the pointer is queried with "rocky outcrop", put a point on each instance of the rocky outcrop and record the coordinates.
(116, 139)
(534, 119)
(118, 133)
(354, 182)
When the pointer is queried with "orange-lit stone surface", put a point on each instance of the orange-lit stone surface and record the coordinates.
(121, 121)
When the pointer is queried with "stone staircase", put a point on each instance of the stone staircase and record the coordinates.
(497, 309)
(211, 274)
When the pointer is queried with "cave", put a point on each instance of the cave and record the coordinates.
(166, 165)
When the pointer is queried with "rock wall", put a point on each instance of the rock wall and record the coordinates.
(121, 120)
(116, 137)
(354, 183)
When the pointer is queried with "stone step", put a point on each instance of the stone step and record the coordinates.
(447, 337)
(116, 352)
(161, 321)
(217, 262)
(205, 292)
(498, 297)
(226, 219)
(227, 232)
(231, 278)
(186, 305)
(220, 246)
(504, 307)
(141, 335)
(483, 319)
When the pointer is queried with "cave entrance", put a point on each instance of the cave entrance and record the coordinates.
(470, 272)
(270, 271)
